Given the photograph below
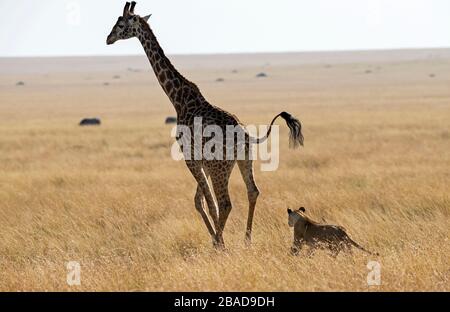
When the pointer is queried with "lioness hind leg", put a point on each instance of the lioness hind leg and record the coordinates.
(335, 251)
(344, 247)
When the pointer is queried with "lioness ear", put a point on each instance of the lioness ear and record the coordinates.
(302, 209)
(289, 210)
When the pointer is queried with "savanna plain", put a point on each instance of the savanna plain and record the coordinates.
(376, 160)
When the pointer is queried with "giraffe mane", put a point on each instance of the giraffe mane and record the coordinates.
(146, 27)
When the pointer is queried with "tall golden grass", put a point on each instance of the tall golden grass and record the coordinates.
(376, 160)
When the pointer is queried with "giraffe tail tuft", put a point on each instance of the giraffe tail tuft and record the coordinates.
(295, 130)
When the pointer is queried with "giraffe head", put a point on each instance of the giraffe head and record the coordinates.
(127, 25)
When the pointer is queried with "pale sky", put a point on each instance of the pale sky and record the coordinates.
(80, 27)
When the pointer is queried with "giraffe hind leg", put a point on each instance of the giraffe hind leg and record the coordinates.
(246, 168)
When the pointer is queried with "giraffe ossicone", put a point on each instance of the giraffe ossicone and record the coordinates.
(211, 175)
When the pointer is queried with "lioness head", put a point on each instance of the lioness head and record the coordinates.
(294, 216)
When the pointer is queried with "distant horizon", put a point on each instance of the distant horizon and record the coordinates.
(239, 53)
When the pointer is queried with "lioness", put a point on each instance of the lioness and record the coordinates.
(313, 234)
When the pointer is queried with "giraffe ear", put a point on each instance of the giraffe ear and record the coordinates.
(147, 17)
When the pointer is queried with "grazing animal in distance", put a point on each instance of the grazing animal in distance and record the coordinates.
(315, 235)
(171, 120)
(90, 122)
(189, 104)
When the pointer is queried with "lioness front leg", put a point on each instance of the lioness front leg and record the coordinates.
(296, 248)
(311, 251)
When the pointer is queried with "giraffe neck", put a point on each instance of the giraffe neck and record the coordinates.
(169, 78)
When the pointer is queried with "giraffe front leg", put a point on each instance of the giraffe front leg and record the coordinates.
(200, 176)
(225, 207)
(220, 178)
(199, 205)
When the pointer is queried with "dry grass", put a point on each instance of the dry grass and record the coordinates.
(376, 160)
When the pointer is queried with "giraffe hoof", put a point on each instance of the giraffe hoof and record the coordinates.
(219, 246)
(248, 240)
(218, 243)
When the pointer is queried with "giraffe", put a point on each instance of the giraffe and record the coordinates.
(212, 176)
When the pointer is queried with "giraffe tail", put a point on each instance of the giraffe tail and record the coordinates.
(295, 130)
